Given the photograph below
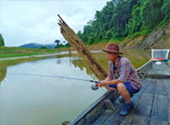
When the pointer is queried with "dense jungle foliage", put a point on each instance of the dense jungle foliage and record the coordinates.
(126, 18)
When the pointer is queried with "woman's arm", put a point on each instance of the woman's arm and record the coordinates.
(111, 82)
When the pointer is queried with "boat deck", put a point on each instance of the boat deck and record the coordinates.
(151, 106)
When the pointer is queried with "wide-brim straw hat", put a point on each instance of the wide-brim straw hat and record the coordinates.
(112, 48)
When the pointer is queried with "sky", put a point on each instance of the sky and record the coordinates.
(36, 21)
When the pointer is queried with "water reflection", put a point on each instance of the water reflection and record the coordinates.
(83, 67)
(3, 71)
(58, 61)
(6, 63)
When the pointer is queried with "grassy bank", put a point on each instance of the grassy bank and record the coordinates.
(17, 52)
(7, 52)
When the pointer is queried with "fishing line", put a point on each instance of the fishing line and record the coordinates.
(55, 76)
(93, 87)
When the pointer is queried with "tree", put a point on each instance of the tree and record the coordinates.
(43, 47)
(166, 9)
(57, 42)
(1, 41)
(135, 23)
(152, 14)
(64, 42)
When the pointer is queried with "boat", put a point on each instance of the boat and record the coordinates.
(151, 103)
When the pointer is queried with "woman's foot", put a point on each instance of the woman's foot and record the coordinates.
(126, 108)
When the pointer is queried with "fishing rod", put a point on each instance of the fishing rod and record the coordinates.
(93, 87)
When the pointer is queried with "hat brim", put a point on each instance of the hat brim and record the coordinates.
(114, 52)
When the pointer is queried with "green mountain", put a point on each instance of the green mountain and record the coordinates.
(126, 19)
(38, 46)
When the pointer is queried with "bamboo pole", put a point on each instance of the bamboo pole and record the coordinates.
(77, 43)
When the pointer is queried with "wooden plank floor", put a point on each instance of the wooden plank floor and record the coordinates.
(151, 106)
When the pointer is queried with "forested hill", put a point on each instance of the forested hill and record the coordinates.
(120, 19)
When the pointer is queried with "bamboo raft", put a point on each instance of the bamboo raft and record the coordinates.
(151, 103)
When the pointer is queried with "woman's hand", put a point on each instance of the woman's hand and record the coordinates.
(101, 83)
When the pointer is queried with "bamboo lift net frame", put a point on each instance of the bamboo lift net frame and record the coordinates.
(72, 38)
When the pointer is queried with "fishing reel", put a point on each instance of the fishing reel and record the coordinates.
(94, 87)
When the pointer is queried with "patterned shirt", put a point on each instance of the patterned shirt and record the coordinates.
(125, 72)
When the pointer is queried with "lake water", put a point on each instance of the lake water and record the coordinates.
(31, 93)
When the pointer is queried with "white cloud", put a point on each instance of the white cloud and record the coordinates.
(36, 21)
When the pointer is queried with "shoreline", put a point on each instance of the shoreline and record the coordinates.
(45, 55)
(22, 57)
(34, 56)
